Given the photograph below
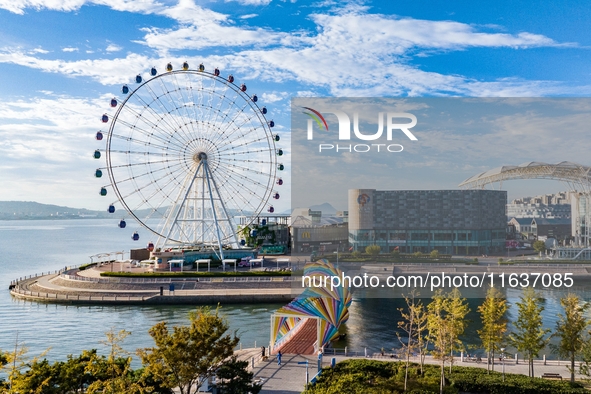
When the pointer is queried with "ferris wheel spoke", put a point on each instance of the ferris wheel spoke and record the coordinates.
(251, 152)
(246, 144)
(149, 171)
(137, 191)
(243, 178)
(141, 164)
(222, 97)
(155, 192)
(232, 135)
(157, 132)
(197, 107)
(248, 169)
(169, 112)
(147, 116)
(160, 122)
(213, 91)
(240, 113)
(151, 112)
(183, 108)
(134, 141)
(235, 192)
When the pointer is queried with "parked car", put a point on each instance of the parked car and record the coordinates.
(244, 262)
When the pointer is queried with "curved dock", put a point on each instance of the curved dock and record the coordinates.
(68, 286)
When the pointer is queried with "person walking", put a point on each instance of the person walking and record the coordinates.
(279, 358)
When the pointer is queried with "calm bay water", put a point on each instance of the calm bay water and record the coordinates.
(34, 246)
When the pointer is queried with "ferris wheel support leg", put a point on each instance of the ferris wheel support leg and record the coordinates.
(215, 218)
(235, 237)
(176, 216)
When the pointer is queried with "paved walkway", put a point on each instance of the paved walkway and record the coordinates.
(290, 377)
(287, 378)
(45, 282)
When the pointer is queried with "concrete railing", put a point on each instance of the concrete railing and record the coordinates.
(140, 280)
(38, 295)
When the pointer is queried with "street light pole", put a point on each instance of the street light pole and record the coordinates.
(503, 357)
(307, 375)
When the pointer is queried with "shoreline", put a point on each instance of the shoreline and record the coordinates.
(72, 286)
(67, 287)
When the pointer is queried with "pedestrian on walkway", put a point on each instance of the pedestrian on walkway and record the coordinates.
(279, 358)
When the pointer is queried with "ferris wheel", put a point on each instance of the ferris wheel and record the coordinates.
(186, 152)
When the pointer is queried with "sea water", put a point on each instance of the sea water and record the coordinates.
(34, 246)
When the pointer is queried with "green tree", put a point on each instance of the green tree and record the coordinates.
(373, 250)
(40, 378)
(570, 329)
(434, 254)
(15, 363)
(233, 377)
(413, 323)
(457, 309)
(356, 254)
(439, 332)
(417, 255)
(114, 374)
(446, 322)
(73, 374)
(189, 355)
(494, 324)
(585, 366)
(539, 246)
(529, 335)
(60, 377)
(396, 254)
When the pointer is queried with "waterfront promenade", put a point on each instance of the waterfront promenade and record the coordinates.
(289, 378)
(87, 286)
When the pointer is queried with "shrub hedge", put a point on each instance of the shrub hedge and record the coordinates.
(373, 377)
(194, 274)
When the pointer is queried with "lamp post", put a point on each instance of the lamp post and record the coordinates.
(307, 375)
(503, 357)
(337, 252)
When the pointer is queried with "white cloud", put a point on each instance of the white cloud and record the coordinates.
(251, 2)
(39, 50)
(274, 96)
(48, 142)
(351, 53)
(69, 49)
(19, 6)
(186, 11)
(140, 6)
(105, 71)
(113, 48)
(248, 16)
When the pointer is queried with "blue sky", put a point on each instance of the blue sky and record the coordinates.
(62, 61)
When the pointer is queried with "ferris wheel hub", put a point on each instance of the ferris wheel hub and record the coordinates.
(200, 156)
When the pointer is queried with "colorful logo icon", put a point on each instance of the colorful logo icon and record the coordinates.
(363, 199)
(317, 117)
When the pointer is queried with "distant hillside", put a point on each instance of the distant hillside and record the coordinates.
(326, 209)
(35, 210)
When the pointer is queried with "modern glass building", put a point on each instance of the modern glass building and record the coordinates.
(452, 221)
